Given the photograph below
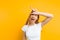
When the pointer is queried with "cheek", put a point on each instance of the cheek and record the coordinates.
(29, 18)
(36, 18)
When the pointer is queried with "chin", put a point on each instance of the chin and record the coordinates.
(33, 21)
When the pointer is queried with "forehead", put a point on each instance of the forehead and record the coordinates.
(34, 15)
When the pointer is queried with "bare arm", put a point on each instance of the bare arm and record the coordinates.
(24, 36)
(47, 15)
(47, 19)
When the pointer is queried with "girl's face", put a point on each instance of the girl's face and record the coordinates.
(33, 17)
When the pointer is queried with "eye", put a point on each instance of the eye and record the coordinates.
(32, 14)
(35, 15)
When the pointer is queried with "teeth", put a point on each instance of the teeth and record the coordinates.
(32, 19)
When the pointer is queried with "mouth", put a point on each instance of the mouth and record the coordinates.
(32, 19)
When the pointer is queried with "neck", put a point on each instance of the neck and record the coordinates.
(31, 23)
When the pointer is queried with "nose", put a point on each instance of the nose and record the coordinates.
(33, 17)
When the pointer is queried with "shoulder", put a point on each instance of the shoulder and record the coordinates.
(39, 23)
(24, 27)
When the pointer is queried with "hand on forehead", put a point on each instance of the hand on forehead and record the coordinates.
(35, 13)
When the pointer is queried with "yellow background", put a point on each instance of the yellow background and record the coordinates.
(14, 13)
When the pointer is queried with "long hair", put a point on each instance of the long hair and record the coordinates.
(29, 17)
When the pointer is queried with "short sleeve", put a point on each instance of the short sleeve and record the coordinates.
(40, 25)
(24, 28)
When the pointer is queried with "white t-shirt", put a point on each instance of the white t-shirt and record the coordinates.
(33, 32)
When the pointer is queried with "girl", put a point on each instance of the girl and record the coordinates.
(32, 28)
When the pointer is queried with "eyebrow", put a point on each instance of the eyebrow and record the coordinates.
(33, 14)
